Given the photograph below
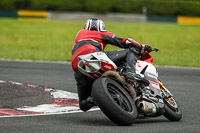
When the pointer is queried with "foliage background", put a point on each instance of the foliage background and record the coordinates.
(154, 7)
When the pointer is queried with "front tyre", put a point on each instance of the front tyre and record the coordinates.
(114, 101)
(172, 109)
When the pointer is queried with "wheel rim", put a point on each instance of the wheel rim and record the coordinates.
(172, 103)
(119, 97)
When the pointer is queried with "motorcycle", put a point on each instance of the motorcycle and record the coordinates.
(123, 102)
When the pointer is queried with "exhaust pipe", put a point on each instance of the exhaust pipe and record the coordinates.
(146, 108)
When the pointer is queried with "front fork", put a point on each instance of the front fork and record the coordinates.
(165, 91)
(167, 95)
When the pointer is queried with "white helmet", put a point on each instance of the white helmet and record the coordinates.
(94, 24)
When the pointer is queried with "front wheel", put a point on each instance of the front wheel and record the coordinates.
(114, 101)
(172, 109)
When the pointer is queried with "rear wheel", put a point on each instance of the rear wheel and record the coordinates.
(114, 101)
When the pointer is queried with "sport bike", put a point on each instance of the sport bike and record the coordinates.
(123, 102)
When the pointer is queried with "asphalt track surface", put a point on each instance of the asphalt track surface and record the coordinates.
(183, 83)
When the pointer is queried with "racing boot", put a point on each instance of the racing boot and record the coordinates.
(87, 104)
(132, 77)
(130, 73)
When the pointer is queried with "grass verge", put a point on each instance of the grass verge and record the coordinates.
(52, 40)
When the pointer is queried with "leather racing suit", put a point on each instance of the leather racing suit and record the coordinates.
(88, 41)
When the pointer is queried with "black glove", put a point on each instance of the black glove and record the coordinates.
(146, 49)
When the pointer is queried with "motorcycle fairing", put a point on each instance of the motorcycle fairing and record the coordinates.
(93, 64)
(149, 71)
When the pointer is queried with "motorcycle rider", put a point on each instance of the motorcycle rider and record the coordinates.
(94, 38)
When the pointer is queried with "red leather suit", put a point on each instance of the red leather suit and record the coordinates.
(88, 41)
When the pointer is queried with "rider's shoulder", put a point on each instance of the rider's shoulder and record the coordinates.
(107, 33)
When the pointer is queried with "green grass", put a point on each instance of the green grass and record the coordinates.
(52, 40)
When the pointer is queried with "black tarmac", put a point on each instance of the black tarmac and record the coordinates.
(15, 95)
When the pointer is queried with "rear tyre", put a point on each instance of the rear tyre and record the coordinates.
(114, 101)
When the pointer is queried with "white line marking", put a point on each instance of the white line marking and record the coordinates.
(57, 113)
(67, 104)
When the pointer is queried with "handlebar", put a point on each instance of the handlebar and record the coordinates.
(155, 49)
